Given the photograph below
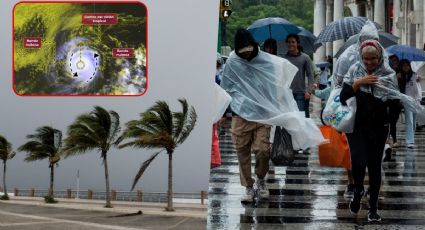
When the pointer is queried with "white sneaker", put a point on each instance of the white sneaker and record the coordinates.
(410, 146)
(249, 195)
(263, 192)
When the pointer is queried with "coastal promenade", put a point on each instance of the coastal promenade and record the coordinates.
(33, 214)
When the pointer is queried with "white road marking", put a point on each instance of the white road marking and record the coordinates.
(29, 223)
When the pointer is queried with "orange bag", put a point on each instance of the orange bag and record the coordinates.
(215, 149)
(336, 153)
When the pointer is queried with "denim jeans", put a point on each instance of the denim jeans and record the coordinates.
(410, 118)
(302, 103)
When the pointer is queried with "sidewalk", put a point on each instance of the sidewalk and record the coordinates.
(122, 207)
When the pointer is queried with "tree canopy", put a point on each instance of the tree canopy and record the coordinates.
(245, 12)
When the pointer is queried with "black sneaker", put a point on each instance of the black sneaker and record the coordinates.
(355, 203)
(373, 216)
(387, 155)
(349, 191)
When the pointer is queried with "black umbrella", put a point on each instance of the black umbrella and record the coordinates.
(386, 39)
(342, 29)
(275, 27)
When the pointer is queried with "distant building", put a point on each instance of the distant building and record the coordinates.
(403, 18)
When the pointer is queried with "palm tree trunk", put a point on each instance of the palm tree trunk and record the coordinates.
(108, 197)
(170, 182)
(52, 176)
(4, 178)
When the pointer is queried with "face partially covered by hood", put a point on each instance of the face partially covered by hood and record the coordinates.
(371, 55)
(245, 45)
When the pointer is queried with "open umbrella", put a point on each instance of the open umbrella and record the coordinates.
(407, 52)
(386, 39)
(342, 29)
(275, 27)
(307, 40)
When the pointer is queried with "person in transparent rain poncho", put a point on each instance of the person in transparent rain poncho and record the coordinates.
(258, 84)
(372, 82)
(348, 58)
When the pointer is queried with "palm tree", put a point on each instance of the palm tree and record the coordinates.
(46, 143)
(158, 127)
(96, 130)
(6, 153)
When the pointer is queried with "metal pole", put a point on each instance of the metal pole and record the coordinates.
(78, 184)
(406, 24)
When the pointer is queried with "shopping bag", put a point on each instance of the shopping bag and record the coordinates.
(340, 117)
(215, 149)
(282, 153)
(336, 153)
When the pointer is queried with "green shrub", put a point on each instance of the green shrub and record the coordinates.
(4, 197)
(50, 200)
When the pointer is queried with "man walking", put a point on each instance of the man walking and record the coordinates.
(258, 83)
(300, 90)
(248, 136)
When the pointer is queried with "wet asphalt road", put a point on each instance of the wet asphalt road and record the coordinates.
(32, 217)
(309, 196)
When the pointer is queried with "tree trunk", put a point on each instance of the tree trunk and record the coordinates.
(170, 182)
(4, 178)
(108, 197)
(52, 176)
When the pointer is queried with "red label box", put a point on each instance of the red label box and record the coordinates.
(99, 19)
(32, 42)
(123, 53)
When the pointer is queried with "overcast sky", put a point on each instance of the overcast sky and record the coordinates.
(182, 39)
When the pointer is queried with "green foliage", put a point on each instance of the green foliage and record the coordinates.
(6, 152)
(159, 127)
(45, 143)
(50, 200)
(4, 197)
(95, 130)
(245, 12)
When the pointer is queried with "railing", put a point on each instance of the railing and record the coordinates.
(139, 195)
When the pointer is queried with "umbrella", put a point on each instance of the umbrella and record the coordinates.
(342, 29)
(407, 52)
(386, 39)
(307, 40)
(276, 28)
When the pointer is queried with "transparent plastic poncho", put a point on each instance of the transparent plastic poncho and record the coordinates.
(387, 86)
(222, 101)
(260, 92)
(351, 55)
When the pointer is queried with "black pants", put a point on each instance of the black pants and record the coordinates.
(394, 113)
(366, 148)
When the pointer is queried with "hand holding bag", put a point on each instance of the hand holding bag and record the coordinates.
(340, 117)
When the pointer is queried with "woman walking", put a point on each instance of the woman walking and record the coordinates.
(371, 122)
(408, 86)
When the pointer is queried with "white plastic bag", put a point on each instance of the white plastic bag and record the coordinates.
(222, 101)
(340, 117)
